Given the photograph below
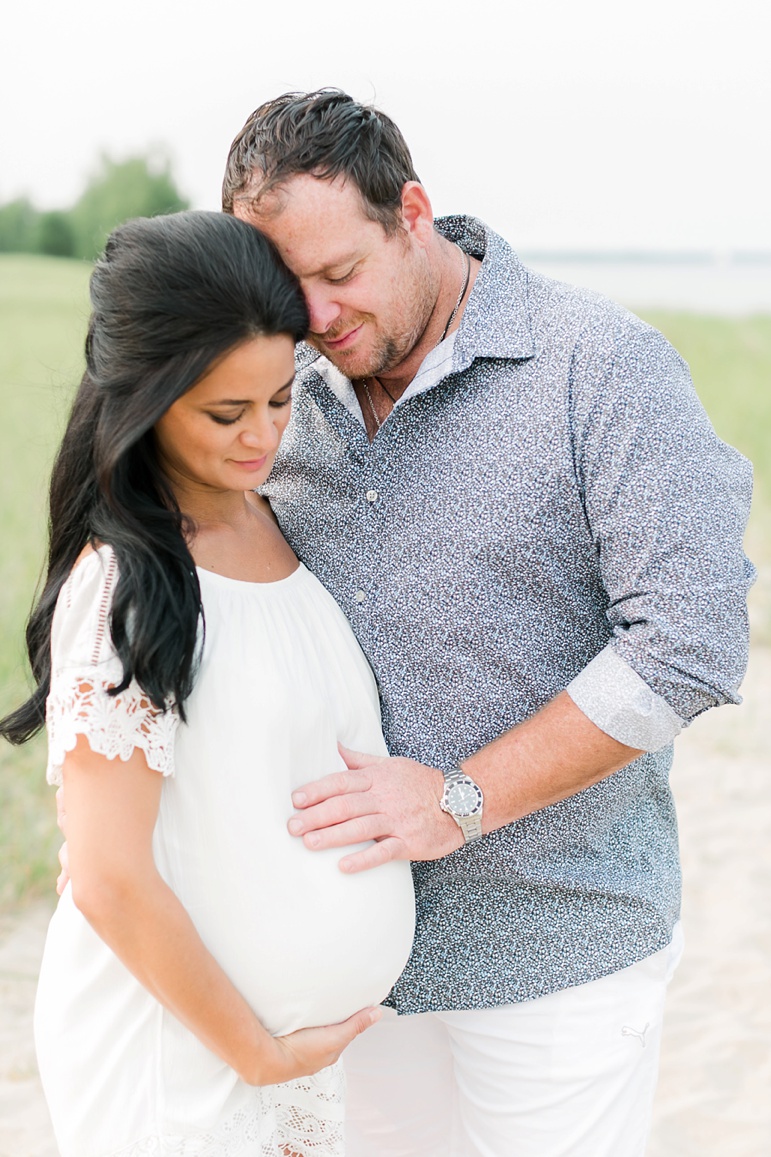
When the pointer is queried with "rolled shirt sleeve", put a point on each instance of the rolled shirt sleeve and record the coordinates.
(667, 503)
(620, 703)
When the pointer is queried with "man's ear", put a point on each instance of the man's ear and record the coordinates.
(417, 214)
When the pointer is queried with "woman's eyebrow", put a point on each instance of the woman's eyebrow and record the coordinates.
(246, 401)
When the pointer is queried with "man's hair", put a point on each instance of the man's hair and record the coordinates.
(327, 134)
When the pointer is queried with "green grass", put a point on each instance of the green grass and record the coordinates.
(730, 360)
(43, 315)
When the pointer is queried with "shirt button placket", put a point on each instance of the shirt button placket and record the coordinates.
(372, 496)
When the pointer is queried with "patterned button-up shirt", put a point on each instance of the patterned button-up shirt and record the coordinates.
(546, 507)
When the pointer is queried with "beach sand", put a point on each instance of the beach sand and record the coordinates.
(714, 1091)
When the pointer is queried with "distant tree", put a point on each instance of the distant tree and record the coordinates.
(19, 227)
(56, 236)
(138, 187)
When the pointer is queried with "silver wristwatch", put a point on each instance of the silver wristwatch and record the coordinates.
(463, 800)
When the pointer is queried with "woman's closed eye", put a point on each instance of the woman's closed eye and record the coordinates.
(278, 404)
(222, 420)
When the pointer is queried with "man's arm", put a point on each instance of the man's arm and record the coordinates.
(667, 503)
(395, 802)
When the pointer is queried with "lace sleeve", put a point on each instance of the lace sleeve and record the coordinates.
(83, 668)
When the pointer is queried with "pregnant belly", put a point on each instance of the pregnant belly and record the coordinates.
(303, 942)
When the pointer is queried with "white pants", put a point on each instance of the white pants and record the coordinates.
(567, 1075)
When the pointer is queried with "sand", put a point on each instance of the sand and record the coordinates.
(714, 1095)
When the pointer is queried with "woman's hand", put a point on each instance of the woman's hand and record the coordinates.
(64, 859)
(112, 808)
(302, 1053)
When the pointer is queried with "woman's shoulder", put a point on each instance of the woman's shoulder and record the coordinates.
(96, 565)
(81, 620)
(93, 552)
(85, 668)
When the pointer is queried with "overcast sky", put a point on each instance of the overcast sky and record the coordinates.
(562, 123)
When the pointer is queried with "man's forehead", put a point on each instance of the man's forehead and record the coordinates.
(317, 224)
(304, 193)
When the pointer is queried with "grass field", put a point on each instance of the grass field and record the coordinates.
(43, 314)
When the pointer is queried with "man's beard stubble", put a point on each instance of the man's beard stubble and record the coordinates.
(390, 351)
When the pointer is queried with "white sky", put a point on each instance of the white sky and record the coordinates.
(562, 123)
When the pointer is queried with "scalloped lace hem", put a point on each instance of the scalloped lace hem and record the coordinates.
(303, 1118)
(78, 704)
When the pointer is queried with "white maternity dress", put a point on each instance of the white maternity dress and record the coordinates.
(282, 680)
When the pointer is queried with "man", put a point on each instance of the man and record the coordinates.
(512, 490)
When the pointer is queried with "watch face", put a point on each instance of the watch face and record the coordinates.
(463, 799)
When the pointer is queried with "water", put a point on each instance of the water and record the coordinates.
(729, 287)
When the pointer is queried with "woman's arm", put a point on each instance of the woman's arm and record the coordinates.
(112, 809)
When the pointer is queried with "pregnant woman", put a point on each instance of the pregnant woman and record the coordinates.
(192, 674)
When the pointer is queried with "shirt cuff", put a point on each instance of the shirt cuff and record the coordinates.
(620, 703)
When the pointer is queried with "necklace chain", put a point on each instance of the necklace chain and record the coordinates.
(461, 295)
(445, 331)
(378, 423)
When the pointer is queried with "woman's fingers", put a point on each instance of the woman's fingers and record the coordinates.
(63, 878)
(60, 816)
(312, 1049)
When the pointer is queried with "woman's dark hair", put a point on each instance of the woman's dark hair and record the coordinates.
(328, 134)
(170, 295)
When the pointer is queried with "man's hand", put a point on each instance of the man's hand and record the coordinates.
(394, 802)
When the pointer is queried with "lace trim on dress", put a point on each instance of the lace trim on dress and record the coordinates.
(302, 1118)
(78, 704)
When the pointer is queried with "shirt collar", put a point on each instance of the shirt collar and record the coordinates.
(495, 322)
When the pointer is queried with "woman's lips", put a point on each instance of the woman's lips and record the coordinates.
(251, 463)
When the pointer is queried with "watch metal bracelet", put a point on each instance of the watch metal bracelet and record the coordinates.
(463, 800)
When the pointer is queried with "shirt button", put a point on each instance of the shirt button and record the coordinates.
(360, 596)
(372, 496)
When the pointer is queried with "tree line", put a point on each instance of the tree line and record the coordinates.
(141, 186)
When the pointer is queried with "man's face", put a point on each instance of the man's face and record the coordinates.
(370, 294)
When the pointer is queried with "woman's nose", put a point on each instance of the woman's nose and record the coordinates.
(260, 436)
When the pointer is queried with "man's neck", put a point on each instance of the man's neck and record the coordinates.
(445, 318)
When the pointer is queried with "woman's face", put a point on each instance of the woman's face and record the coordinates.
(223, 433)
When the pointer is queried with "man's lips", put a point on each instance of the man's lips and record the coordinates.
(339, 343)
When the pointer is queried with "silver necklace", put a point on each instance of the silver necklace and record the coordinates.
(461, 295)
(450, 320)
(378, 423)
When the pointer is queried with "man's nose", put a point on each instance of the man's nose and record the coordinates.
(322, 310)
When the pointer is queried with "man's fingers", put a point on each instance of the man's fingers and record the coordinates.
(381, 852)
(356, 760)
(339, 783)
(330, 812)
(354, 831)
